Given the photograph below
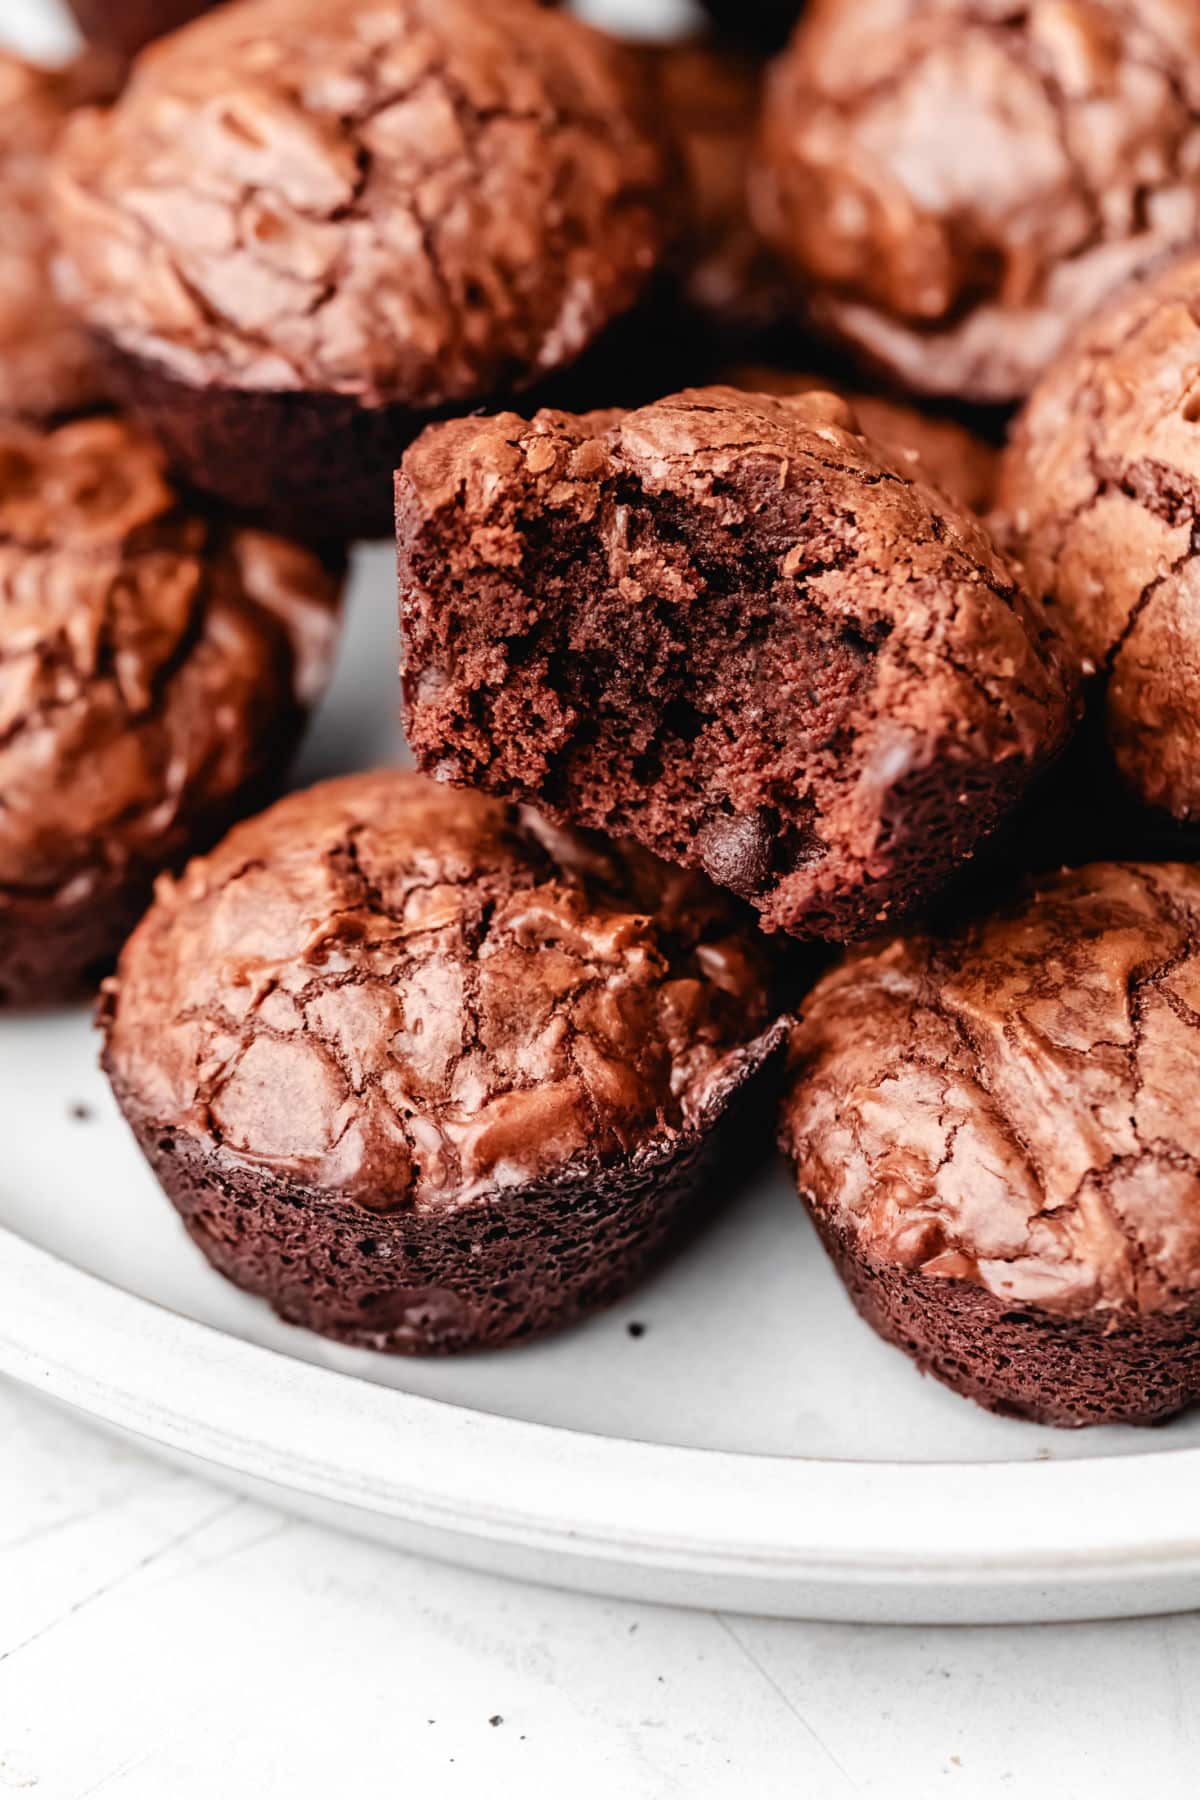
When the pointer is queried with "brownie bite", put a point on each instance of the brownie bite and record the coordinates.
(124, 26)
(304, 229)
(959, 182)
(425, 1073)
(155, 670)
(996, 1136)
(731, 627)
(47, 366)
(1099, 493)
(942, 450)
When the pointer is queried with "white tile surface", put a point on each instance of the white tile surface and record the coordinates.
(160, 1640)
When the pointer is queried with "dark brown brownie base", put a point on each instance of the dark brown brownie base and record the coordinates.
(320, 466)
(1079, 811)
(51, 953)
(126, 25)
(1107, 1370)
(522, 1262)
(313, 466)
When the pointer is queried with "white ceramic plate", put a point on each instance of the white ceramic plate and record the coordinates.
(754, 1447)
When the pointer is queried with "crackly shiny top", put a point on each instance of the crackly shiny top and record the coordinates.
(962, 180)
(1014, 1105)
(939, 449)
(1100, 493)
(147, 656)
(46, 365)
(410, 201)
(411, 994)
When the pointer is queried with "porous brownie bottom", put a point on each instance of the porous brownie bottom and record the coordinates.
(518, 1263)
(317, 466)
(1104, 1369)
(54, 952)
(320, 466)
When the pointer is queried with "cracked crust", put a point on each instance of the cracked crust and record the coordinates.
(398, 205)
(47, 366)
(425, 1072)
(938, 449)
(994, 1133)
(1101, 496)
(155, 670)
(960, 182)
(729, 626)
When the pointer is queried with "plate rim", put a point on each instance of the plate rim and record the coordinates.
(578, 1499)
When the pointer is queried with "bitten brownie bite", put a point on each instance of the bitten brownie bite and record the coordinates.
(1100, 490)
(959, 182)
(939, 449)
(126, 25)
(306, 228)
(155, 670)
(997, 1137)
(728, 626)
(47, 366)
(425, 1073)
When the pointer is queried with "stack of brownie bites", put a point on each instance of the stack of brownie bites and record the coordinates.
(882, 629)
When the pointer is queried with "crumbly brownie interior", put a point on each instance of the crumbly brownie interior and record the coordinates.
(727, 626)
